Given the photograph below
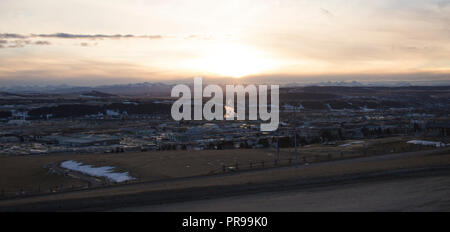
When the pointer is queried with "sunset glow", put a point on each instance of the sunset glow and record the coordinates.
(79, 41)
(231, 60)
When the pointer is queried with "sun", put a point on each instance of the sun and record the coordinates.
(231, 60)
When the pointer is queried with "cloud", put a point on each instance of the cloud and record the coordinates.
(443, 4)
(326, 12)
(20, 43)
(12, 36)
(82, 36)
(20, 40)
(85, 44)
(199, 37)
(154, 37)
(77, 36)
(41, 42)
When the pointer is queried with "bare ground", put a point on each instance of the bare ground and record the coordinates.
(254, 181)
(27, 173)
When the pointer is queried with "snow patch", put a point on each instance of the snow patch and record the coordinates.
(427, 143)
(348, 144)
(106, 171)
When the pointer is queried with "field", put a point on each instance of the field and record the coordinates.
(28, 175)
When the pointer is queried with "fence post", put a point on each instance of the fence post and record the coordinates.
(278, 151)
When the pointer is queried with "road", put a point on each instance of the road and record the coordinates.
(376, 184)
(401, 194)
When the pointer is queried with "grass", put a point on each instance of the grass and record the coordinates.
(138, 192)
(27, 173)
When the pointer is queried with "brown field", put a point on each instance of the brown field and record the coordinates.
(217, 185)
(27, 173)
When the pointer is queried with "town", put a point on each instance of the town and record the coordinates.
(97, 122)
(81, 140)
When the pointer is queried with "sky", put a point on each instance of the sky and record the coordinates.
(88, 42)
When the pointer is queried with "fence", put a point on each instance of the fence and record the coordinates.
(314, 158)
(237, 166)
